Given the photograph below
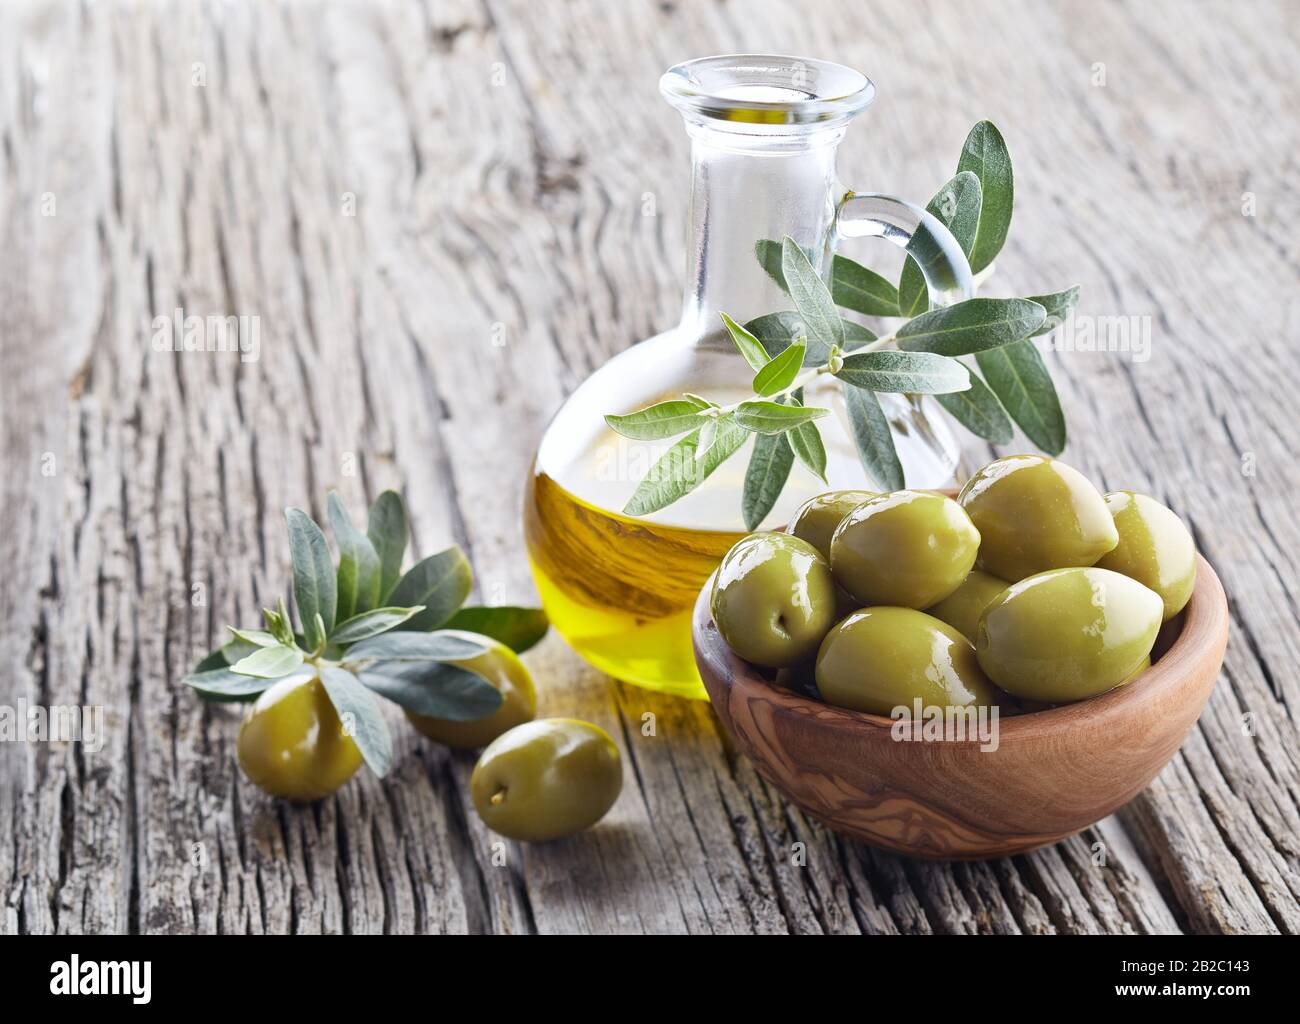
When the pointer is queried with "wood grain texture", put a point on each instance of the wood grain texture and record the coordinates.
(1039, 779)
(519, 188)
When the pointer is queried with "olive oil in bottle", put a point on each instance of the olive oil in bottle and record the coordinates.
(621, 589)
(764, 132)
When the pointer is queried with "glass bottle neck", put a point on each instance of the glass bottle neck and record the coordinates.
(746, 188)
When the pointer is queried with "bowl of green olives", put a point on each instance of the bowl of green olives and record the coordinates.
(964, 675)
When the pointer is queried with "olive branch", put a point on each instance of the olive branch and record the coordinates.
(922, 355)
(369, 630)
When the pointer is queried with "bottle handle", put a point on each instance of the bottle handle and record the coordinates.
(920, 234)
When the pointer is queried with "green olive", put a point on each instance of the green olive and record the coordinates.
(773, 599)
(546, 779)
(1154, 548)
(800, 679)
(293, 745)
(1143, 665)
(816, 519)
(1067, 634)
(1013, 705)
(908, 548)
(1035, 514)
(882, 658)
(844, 603)
(501, 667)
(962, 608)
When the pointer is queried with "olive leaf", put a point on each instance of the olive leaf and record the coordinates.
(255, 637)
(1017, 375)
(677, 472)
(269, 662)
(765, 477)
(957, 207)
(874, 441)
(916, 373)
(227, 655)
(704, 442)
(388, 532)
(517, 628)
(811, 297)
(314, 586)
(214, 660)
(276, 626)
(279, 623)
(774, 418)
(855, 287)
(769, 253)
(979, 411)
(404, 646)
(777, 331)
(362, 717)
(225, 685)
(358, 578)
(971, 326)
(434, 688)
(1058, 306)
(440, 583)
(371, 623)
(985, 154)
(806, 442)
(666, 419)
(781, 370)
(750, 347)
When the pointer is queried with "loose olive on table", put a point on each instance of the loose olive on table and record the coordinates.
(1033, 514)
(816, 519)
(773, 599)
(501, 667)
(1154, 548)
(293, 744)
(881, 658)
(909, 548)
(1067, 634)
(546, 779)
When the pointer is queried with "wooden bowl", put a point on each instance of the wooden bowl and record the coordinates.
(1053, 773)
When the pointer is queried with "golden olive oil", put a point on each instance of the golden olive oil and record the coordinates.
(619, 589)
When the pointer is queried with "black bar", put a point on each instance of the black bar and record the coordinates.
(243, 974)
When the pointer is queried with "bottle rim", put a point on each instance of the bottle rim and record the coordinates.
(763, 92)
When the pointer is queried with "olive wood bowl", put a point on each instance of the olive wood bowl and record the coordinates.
(1054, 772)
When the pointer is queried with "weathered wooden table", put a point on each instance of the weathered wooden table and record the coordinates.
(444, 216)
